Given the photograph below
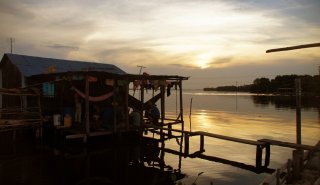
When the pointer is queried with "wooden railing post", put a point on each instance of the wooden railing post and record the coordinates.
(278, 177)
(186, 145)
(259, 157)
(169, 130)
(297, 163)
(202, 143)
(267, 156)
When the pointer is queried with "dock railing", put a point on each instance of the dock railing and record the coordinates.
(293, 167)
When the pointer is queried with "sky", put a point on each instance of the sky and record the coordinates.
(214, 42)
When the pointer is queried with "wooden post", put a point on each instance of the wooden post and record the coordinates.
(169, 130)
(297, 163)
(161, 163)
(14, 135)
(87, 123)
(202, 143)
(190, 119)
(289, 171)
(259, 157)
(267, 157)
(182, 126)
(115, 107)
(181, 107)
(126, 104)
(186, 145)
(162, 89)
(41, 119)
(278, 177)
(298, 109)
(142, 108)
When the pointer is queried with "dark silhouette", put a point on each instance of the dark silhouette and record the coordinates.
(284, 84)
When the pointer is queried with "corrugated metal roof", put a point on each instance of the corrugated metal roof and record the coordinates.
(31, 65)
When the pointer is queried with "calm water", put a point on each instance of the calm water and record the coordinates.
(237, 115)
(245, 116)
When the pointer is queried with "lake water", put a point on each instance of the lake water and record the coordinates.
(239, 115)
(246, 116)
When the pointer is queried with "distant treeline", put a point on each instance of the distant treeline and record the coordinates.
(280, 84)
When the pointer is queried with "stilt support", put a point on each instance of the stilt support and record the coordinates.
(186, 145)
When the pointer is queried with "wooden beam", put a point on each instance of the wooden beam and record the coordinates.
(294, 47)
(75, 136)
(238, 140)
(290, 145)
(100, 133)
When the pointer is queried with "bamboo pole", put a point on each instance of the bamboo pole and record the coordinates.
(190, 114)
(298, 110)
(294, 47)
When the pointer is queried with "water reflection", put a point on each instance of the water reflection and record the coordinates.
(100, 163)
(254, 118)
(257, 117)
(307, 102)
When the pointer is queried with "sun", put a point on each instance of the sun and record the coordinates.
(202, 64)
(203, 60)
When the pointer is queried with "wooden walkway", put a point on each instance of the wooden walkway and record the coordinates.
(261, 145)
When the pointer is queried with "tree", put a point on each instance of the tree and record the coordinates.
(260, 85)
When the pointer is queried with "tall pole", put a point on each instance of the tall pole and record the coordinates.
(11, 40)
(87, 121)
(141, 69)
(298, 109)
(236, 96)
(182, 122)
(139, 74)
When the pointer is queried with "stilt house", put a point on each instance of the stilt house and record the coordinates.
(83, 99)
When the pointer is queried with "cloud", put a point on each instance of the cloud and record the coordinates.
(179, 36)
(221, 61)
(65, 47)
(15, 9)
(183, 66)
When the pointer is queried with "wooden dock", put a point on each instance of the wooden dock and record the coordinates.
(291, 173)
(261, 145)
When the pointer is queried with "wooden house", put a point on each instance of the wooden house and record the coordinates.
(100, 90)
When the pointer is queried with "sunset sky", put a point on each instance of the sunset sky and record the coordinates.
(215, 42)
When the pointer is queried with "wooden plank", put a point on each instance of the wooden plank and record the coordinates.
(290, 145)
(75, 136)
(100, 133)
(235, 164)
(238, 140)
(273, 177)
(163, 128)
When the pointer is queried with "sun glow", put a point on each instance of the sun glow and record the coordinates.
(203, 60)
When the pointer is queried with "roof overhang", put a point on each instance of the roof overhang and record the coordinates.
(101, 74)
